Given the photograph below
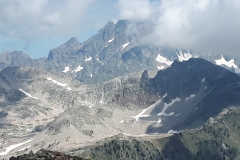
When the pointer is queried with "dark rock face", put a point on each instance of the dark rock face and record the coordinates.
(46, 155)
(185, 78)
(196, 89)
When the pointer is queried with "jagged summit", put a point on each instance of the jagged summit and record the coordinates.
(67, 48)
(115, 50)
(109, 25)
(72, 41)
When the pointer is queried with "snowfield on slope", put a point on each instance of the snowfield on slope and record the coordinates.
(230, 64)
(125, 45)
(26, 93)
(66, 69)
(163, 60)
(111, 40)
(168, 105)
(79, 68)
(59, 83)
(88, 59)
(8, 149)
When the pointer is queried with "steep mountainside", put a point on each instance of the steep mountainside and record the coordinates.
(112, 52)
(217, 139)
(192, 92)
(45, 109)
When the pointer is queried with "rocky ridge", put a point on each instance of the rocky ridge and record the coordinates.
(116, 50)
(46, 155)
(50, 110)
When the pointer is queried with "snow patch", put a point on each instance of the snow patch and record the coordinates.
(168, 105)
(172, 131)
(98, 60)
(59, 83)
(24, 148)
(26, 93)
(69, 88)
(79, 68)
(165, 95)
(141, 114)
(160, 67)
(125, 45)
(191, 96)
(164, 114)
(66, 69)
(178, 114)
(121, 121)
(101, 101)
(159, 121)
(184, 56)
(135, 135)
(229, 64)
(143, 111)
(88, 59)
(111, 40)
(164, 60)
(8, 149)
(29, 130)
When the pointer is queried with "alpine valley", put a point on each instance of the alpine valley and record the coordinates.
(116, 97)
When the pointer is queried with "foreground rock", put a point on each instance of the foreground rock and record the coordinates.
(46, 155)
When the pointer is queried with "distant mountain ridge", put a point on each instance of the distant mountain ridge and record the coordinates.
(116, 50)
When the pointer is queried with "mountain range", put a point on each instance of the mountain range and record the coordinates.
(116, 50)
(87, 97)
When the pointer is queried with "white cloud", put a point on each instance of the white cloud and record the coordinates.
(135, 9)
(33, 19)
(204, 25)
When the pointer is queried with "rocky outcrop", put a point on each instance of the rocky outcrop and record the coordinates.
(46, 155)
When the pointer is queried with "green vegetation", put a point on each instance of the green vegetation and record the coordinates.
(218, 140)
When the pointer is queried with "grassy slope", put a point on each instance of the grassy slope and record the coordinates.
(217, 140)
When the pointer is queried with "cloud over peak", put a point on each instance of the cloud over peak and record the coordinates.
(204, 25)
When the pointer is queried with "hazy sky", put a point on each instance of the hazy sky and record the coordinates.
(36, 26)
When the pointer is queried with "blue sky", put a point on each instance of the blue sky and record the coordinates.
(36, 26)
(40, 47)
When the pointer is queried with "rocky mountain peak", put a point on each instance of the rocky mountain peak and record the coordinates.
(19, 54)
(122, 25)
(109, 24)
(72, 41)
(70, 46)
(15, 54)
